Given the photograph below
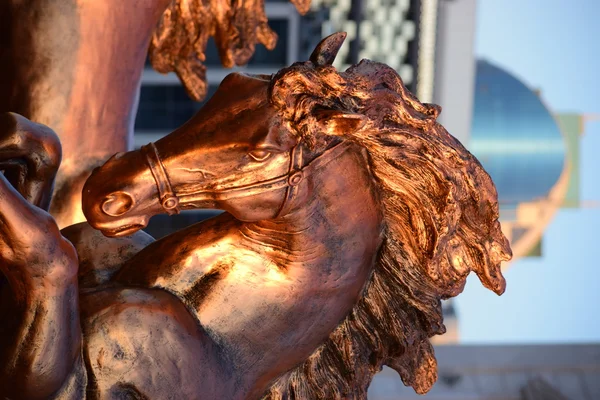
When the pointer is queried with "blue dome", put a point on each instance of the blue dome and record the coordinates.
(515, 137)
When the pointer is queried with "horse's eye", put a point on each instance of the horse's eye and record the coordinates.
(260, 154)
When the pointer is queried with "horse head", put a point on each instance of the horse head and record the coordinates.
(236, 154)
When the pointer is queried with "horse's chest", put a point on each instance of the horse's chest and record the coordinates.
(262, 309)
(244, 297)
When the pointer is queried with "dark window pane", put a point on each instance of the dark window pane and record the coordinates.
(166, 107)
(163, 225)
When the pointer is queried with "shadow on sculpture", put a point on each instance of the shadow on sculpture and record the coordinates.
(350, 213)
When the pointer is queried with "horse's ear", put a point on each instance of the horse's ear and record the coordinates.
(327, 49)
(339, 123)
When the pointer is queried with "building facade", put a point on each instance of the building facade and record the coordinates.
(532, 156)
(454, 84)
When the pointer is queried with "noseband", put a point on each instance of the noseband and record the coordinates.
(168, 200)
(290, 181)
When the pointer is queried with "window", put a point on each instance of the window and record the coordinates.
(166, 107)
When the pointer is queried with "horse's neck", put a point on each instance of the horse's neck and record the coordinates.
(327, 246)
(337, 211)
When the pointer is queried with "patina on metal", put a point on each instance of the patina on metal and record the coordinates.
(350, 214)
(76, 65)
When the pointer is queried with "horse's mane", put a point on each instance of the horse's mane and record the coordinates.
(179, 41)
(441, 220)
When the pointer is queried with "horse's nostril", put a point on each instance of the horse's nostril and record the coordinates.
(117, 204)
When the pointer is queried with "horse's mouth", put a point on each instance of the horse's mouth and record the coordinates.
(122, 231)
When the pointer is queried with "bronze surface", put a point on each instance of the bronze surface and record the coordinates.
(350, 213)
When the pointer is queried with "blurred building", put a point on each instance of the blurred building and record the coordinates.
(531, 154)
(400, 33)
(455, 65)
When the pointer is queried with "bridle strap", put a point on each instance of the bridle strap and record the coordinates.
(295, 176)
(290, 181)
(166, 195)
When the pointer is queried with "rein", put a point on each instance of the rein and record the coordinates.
(170, 201)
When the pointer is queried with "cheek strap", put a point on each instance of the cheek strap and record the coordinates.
(167, 197)
(294, 177)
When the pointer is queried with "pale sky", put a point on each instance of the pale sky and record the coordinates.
(552, 45)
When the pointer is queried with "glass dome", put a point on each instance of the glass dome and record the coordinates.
(515, 137)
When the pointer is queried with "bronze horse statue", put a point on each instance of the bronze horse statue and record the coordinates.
(349, 214)
(76, 65)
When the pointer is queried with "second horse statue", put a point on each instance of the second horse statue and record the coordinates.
(349, 214)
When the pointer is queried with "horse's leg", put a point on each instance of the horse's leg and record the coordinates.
(40, 336)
